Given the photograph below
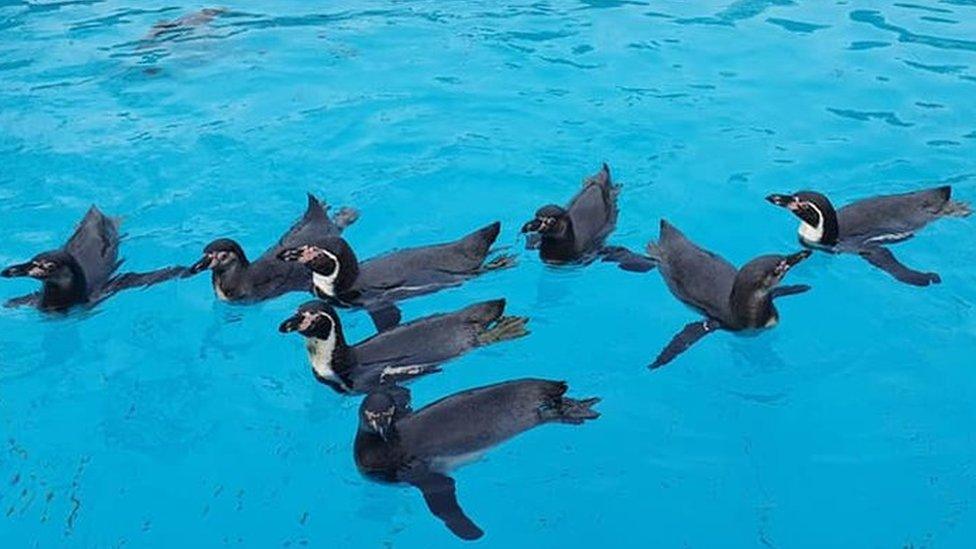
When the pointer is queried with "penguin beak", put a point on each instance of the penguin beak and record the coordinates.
(792, 260)
(14, 271)
(206, 262)
(532, 226)
(787, 201)
(291, 324)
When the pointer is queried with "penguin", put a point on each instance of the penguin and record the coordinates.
(377, 283)
(83, 271)
(396, 445)
(867, 226)
(577, 233)
(730, 299)
(170, 29)
(402, 353)
(235, 279)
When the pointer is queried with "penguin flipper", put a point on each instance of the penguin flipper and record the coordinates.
(441, 497)
(683, 340)
(29, 300)
(134, 280)
(782, 291)
(627, 260)
(882, 258)
(385, 315)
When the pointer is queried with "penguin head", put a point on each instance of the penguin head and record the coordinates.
(549, 220)
(332, 262)
(220, 255)
(751, 300)
(765, 272)
(377, 413)
(313, 319)
(818, 219)
(57, 267)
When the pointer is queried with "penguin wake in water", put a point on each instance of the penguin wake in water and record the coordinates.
(82, 272)
(576, 233)
(236, 279)
(730, 299)
(377, 283)
(421, 448)
(865, 227)
(401, 353)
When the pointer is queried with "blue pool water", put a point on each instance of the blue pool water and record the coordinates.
(163, 417)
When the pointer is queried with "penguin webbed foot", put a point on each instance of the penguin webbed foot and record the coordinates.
(683, 340)
(572, 411)
(502, 261)
(504, 329)
(882, 258)
(441, 497)
(345, 217)
(627, 260)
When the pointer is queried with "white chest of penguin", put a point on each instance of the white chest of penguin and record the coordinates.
(320, 354)
(810, 234)
(325, 284)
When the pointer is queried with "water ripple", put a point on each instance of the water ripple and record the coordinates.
(740, 10)
(938, 69)
(877, 20)
(796, 26)
(866, 116)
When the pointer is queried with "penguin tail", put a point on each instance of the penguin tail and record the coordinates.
(485, 312)
(573, 411)
(314, 208)
(601, 177)
(481, 240)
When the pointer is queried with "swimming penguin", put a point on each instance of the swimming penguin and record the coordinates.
(576, 233)
(420, 448)
(400, 353)
(729, 299)
(866, 226)
(377, 283)
(183, 24)
(82, 272)
(238, 280)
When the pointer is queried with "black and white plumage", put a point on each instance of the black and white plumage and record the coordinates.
(236, 279)
(420, 448)
(867, 226)
(578, 232)
(83, 271)
(730, 299)
(378, 283)
(401, 353)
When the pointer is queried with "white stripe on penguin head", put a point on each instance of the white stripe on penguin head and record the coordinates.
(325, 284)
(809, 233)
